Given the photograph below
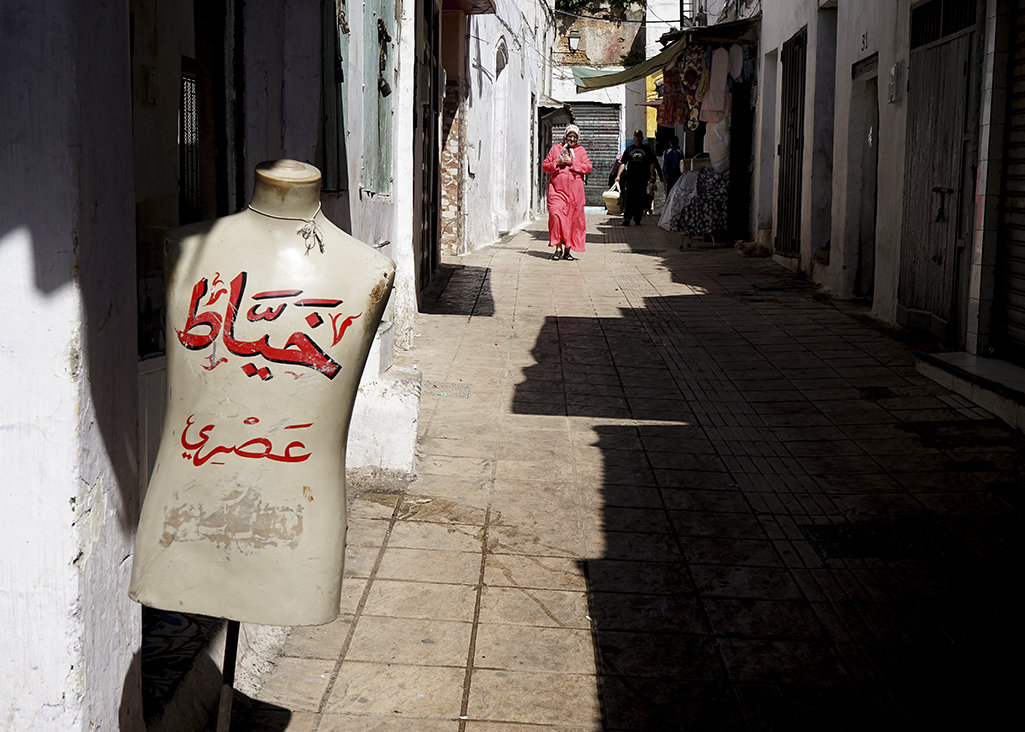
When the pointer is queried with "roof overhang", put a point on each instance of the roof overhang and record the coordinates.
(470, 7)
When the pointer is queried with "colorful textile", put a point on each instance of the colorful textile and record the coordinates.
(567, 223)
(695, 80)
(673, 109)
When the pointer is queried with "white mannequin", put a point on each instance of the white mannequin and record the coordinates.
(270, 317)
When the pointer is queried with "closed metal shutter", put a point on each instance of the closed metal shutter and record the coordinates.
(1009, 314)
(601, 137)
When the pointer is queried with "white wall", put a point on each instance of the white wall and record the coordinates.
(68, 450)
(498, 171)
(864, 28)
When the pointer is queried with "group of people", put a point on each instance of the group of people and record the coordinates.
(636, 170)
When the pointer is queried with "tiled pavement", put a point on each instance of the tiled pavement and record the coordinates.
(664, 489)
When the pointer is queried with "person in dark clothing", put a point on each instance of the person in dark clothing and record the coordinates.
(637, 169)
(671, 164)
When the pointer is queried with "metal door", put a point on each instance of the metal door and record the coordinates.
(791, 146)
(935, 225)
(600, 136)
(1009, 306)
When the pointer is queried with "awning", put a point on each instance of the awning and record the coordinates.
(587, 79)
(741, 30)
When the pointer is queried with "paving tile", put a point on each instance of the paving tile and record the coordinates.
(783, 662)
(372, 505)
(551, 573)
(633, 703)
(764, 618)
(555, 537)
(675, 614)
(410, 641)
(636, 546)
(687, 657)
(415, 507)
(297, 684)
(542, 608)
(361, 723)
(731, 551)
(468, 468)
(535, 698)
(717, 524)
(395, 690)
(532, 648)
(429, 535)
(317, 641)
(429, 565)
(360, 560)
(421, 600)
(366, 532)
(616, 575)
(724, 580)
(702, 499)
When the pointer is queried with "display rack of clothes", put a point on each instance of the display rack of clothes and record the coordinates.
(697, 204)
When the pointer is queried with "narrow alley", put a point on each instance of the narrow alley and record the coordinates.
(669, 489)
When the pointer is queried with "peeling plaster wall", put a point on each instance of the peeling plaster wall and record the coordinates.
(68, 450)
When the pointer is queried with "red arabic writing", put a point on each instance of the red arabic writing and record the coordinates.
(203, 326)
(199, 451)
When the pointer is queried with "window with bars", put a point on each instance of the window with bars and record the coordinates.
(189, 201)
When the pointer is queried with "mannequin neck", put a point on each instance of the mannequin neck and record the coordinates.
(286, 188)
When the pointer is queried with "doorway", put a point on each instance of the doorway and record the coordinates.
(937, 170)
(862, 171)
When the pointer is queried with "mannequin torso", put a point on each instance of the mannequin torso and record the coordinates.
(271, 313)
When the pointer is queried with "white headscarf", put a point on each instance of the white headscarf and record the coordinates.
(565, 145)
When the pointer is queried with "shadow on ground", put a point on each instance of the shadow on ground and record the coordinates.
(459, 290)
(800, 532)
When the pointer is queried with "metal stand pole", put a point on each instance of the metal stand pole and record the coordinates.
(228, 679)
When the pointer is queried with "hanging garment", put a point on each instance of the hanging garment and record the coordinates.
(714, 102)
(736, 61)
(673, 109)
(694, 78)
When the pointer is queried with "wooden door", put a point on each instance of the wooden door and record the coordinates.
(791, 146)
(937, 183)
(427, 146)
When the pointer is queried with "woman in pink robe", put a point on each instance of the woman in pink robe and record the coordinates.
(566, 165)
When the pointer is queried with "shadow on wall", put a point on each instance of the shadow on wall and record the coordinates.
(726, 596)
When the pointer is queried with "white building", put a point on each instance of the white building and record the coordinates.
(888, 164)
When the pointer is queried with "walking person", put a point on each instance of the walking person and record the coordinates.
(566, 165)
(671, 163)
(638, 169)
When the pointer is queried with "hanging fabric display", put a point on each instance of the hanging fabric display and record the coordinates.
(714, 104)
(695, 81)
(674, 107)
